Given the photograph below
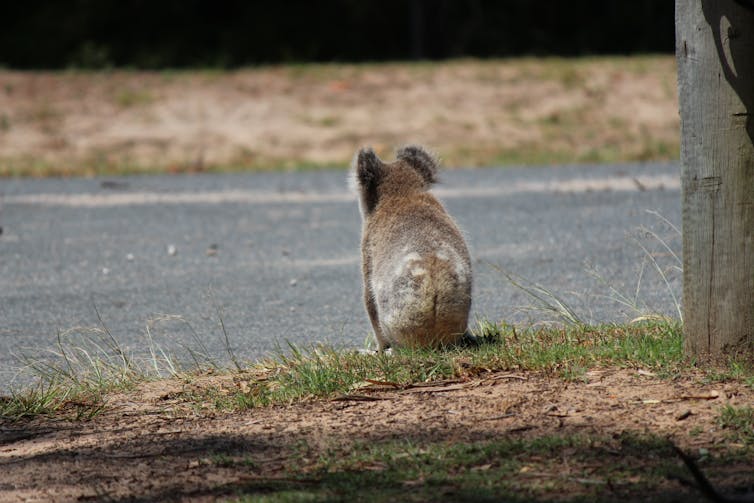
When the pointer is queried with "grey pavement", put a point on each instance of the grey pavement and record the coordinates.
(274, 256)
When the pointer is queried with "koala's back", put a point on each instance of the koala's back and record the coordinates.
(421, 272)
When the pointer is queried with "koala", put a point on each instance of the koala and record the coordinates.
(415, 263)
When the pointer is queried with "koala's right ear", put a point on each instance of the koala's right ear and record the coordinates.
(368, 171)
(421, 160)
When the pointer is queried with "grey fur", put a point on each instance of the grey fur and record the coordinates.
(424, 162)
(416, 266)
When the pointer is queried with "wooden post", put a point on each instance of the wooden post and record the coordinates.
(715, 56)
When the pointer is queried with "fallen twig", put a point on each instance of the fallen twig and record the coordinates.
(357, 398)
(500, 416)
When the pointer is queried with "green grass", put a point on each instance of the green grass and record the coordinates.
(47, 399)
(567, 352)
(569, 468)
(75, 378)
(38, 400)
(85, 369)
(407, 466)
(740, 422)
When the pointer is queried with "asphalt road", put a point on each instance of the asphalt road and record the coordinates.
(275, 255)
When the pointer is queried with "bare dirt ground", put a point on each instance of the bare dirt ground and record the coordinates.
(151, 444)
(471, 112)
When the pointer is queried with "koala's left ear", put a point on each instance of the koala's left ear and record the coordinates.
(368, 173)
(368, 168)
(421, 160)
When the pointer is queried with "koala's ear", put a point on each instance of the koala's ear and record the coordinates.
(368, 171)
(421, 160)
(368, 167)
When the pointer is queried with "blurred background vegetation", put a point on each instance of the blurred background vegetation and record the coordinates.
(96, 34)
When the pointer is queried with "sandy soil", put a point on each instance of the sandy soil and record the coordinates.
(471, 112)
(152, 445)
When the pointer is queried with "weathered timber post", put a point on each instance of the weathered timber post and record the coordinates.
(715, 56)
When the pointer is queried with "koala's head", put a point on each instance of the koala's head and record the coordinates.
(413, 169)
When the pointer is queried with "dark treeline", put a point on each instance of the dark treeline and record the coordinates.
(231, 33)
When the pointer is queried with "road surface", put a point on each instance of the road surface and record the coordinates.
(161, 261)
